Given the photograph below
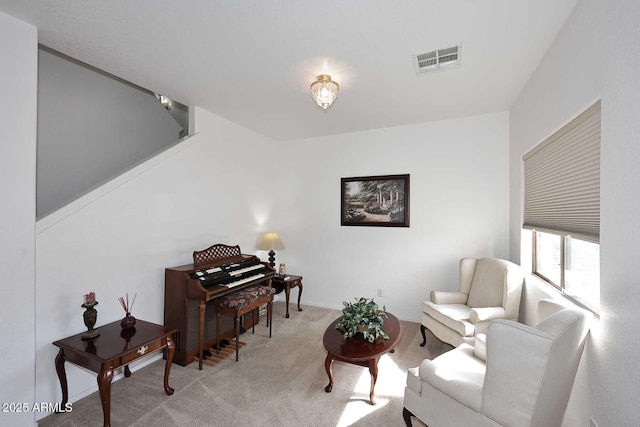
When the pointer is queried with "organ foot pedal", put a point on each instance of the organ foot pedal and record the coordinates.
(211, 356)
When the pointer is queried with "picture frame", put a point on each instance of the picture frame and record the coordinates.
(375, 201)
(282, 269)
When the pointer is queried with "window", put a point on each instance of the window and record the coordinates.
(571, 265)
(562, 207)
(548, 258)
(582, 272)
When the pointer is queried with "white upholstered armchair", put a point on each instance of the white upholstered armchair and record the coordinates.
(522, 378)
(490, 289)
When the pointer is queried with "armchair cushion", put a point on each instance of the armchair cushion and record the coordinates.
(547, 307)
(516, 358)
(484, 292)
(457, 374)
(453, 316)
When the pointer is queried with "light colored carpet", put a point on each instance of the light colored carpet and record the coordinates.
(277, 382)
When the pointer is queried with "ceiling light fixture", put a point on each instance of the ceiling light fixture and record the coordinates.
(324, 91)
(165, 101)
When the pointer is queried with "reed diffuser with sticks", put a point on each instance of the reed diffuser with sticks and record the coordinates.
(128, 321)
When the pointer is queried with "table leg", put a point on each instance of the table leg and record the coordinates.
(237, 333)
(268, 319)
(127, 371)
(299, 294)
(104, 385)
(287, 291)
(171, 349)
(270, 315)
(62, 376)
(373, 370)
(201, 337)
(253, 321)
(327, 365)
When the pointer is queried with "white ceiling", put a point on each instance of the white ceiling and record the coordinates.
(252, 61)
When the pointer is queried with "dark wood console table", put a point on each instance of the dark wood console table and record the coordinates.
(359, 351)
(112, 349)
(291, 281)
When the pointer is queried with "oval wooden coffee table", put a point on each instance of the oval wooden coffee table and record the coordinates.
(358, 351)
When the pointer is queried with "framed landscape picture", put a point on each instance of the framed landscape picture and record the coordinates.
(380, 201)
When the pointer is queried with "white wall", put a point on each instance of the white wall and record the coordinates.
(458, 207)
(616, 377)
(120, 238)
(91, 128)
(566, 82)
(18, 109)
(596, 54)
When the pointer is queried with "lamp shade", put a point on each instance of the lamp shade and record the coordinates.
(324, 91)
(271, 242)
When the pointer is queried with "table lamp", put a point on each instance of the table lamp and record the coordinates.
(271, 242)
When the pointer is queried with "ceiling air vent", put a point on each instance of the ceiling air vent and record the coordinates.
(448, 57)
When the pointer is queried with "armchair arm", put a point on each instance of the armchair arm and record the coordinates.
(480, 347)
(441, 297)
(486, 314)
(516, 359)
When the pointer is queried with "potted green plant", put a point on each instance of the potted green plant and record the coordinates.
(364, 317)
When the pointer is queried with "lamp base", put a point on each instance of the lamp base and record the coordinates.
(272, 259)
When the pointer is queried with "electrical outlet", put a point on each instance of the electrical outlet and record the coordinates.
(592, 423)
(380, 292)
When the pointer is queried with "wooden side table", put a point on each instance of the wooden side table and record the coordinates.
(112, 349)
(359, 351)
(287, 282)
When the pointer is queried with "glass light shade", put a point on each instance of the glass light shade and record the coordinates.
(271, 242)
(324, 91)
(165, 101)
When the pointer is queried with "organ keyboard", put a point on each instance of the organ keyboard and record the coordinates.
(216, 271)
(229, 275)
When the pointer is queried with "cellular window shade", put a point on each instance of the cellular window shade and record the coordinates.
(562, 179)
